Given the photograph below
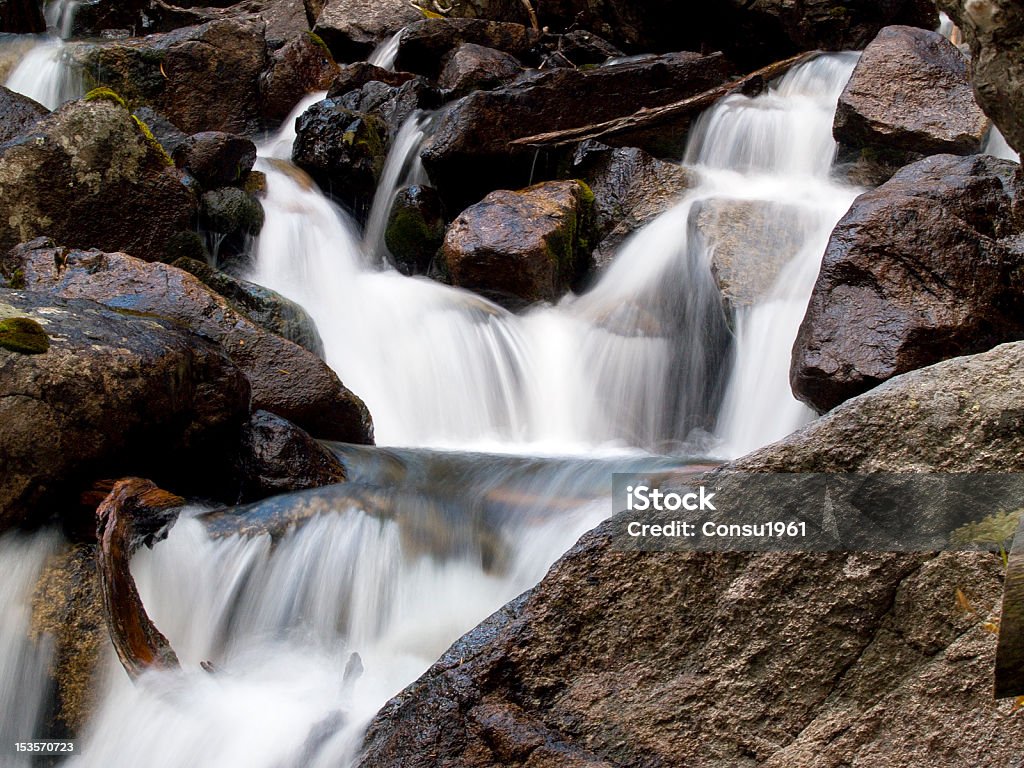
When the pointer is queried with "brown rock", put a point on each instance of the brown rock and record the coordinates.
(301, 66)
(18, 114)
(215, 158)
(425, 46)
(521, 247)
(353, 28)
(352, 77)
(926, 267)
(473, 67)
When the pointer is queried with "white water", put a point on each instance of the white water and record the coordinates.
(46, 75)
(384, 55)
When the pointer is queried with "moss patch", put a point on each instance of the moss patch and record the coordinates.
(23, 334)
(319, 43)
(104, 94)
(152, 141)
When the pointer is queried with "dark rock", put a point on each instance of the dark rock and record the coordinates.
(286, 379)
(276, 457)
(926, 267)
(23, 335)
(91, 19)
(229, 211)
(832, 659)
(89, 176)
(18, 114)
(352, 77)
(393, 104)
(423, 46)
(115, 394)
(203, 78)
(518, 248)
(415, 229)
(469, 154)
(216, 159)
(21, 17)
(343, 150)
(578, 49)
(630, 189)
(301, 66)
(263, 306)
(163, 130)
(910, 95)
(472, 67)
(353, 28)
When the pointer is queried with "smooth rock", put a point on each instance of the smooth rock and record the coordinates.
(18, 114)
(926, 267)
(472, 67)
(353, 28)
(518, 248)
(215, 158)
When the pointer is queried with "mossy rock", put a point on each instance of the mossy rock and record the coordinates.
(24, 335)
(103, 93)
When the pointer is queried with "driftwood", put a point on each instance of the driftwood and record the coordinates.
(133, 513)
(650, 117)
(1010, 649)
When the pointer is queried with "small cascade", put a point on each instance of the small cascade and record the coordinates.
(384, 55)
(47, 75)
(995, 145)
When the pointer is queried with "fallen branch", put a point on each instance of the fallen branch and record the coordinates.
(133, 513)
(651, 116)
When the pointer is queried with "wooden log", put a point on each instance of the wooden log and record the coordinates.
(650, 117)
(133, 512)
(1010, 648)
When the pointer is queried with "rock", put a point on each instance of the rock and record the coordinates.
(352, 77)
(277, 457)
(301, 66)
(926, 267)
(630, 189)
(415, 229)
(578, 48)
(469, 154)
(909, 96)
(231, 211)
(91, 19)
(286, 379)
(89, 176)
(23, 335)
(21, 17)
(263, 306)
(518, 248)
(116, 393)
(163, 130)
(425, 45)
(830, 659)
(472, 67)
(353, 28)
(203, 78)
(994, 30)
(18, 114)
(216, 159)
(343, 150)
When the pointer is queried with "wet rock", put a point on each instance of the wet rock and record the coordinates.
(415, 229)
(518, 248)
(301, 66)
(21, 17)
(352, 77)
(577, 48)
(17, 114)
(926, 267)
(276, 457)
(833, 659)
(230, 211)
(473, 67)
(909, 96)
(994, 30)
(630, 189)
(286, 379)
(343, 150)
(91, 19)
(353, 28)
(469, 154)
(163, 130)
(115, 393)
(203, 78)
(89, 176)
(263, 306)
(424, 46)
(216, 159)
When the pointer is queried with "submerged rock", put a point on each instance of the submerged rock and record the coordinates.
(518, 248)
(353, 28)
(89, 175)
(415, 229)
(18, 114)
(928, 266)
(909, 96)
(216, 158)
(472, 67)
(301, 66)
(286, 379)
(830, 659)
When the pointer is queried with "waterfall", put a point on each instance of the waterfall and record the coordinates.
(384, 55)
(47, 75)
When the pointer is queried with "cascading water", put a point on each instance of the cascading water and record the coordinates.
(45, 72)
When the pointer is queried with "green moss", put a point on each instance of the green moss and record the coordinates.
(104, 94)
(996, 530)
(319, 43)
(152, 141)
(23, 334)
(16, 279)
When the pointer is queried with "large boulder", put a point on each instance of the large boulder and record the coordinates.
(202, 78)
(469, 154)
(286, 379)
(910, 96)
(17, 114)
(994, 30)
(216, 159)
(928, 266)
(353, 28)
(424, 47)
(90, 176)
(303, 65)
(518, 248)
(473, 67)
(115, 393)
(781, 659)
